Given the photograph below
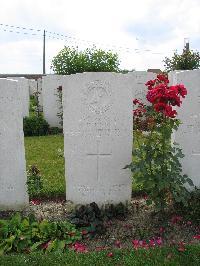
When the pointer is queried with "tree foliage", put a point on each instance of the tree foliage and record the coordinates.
(70, 61)
(188, 60)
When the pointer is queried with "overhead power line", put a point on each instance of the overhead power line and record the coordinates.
(19, 32)
(58, 36)
(18, 27)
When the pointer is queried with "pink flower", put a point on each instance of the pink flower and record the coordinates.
(139, 244)
(35, 202)
(84, 232)
(181, 246)
(78, 247)
(135, 243)
(196, 237)
(118, 243)
(159, 241)
(176, 219)
(145, 197)
(143, 244)
(152, 243)
(161, 230)
(110, 255)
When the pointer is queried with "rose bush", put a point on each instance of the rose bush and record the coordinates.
(156, 162)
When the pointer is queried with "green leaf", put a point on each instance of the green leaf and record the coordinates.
(149, 202)
(36, 245)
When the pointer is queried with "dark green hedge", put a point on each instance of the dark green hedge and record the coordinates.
(35, 126)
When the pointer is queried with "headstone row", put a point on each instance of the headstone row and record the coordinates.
(97, 110)
(13, 192)
(51, 84)
(50, 99)
(23, 94)
(188, 134)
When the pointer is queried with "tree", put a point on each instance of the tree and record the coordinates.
(70, 61)
(186, 61)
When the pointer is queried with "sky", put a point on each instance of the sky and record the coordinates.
(142, 32)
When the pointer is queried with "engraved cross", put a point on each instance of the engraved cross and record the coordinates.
(98, 154)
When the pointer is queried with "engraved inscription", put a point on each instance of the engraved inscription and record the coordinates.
(196, 124)
(97, 96)
(97, 126)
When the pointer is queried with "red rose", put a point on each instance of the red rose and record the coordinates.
(160, 107)
(181, 90)
(150, 84)
(136, 101)
(163, 78)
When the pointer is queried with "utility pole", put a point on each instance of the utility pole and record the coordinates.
(44, 71)
(186, 45)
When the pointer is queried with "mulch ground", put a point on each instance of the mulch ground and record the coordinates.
(141, 223)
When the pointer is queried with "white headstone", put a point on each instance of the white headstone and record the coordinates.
(13, 191)
(172, 78)
(51, 103)
(188, 134)
(98, 137)
(23, 84)
(32, 86)
(39, 93)
(138, 80)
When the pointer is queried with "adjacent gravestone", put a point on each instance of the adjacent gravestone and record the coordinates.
(13, 191)
(23, 84)
(51, 102)
(39, 92)
(188, 134)
(32, 86)
(98, 137)
(138, 80)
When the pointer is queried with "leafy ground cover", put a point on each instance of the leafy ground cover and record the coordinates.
(46, 152)
(157, 256)
(140, 227)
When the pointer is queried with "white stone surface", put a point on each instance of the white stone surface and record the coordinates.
(51, 103)
(98, 137)
(39, 89)
(23, 84)
(32, 86)
(138, 80)
(188, 134)
(13, 192)
(172, 78)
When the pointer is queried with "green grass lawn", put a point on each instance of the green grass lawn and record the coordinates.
(46, 153)
(152, 257)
